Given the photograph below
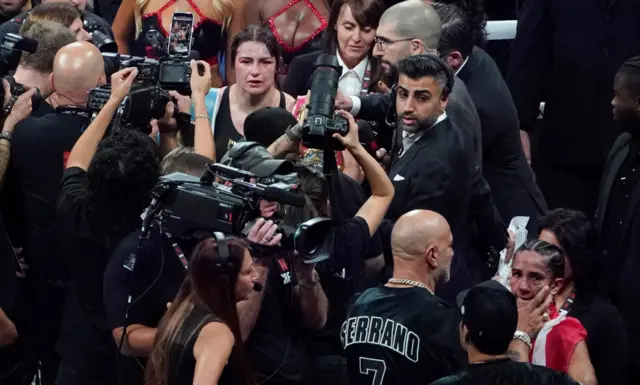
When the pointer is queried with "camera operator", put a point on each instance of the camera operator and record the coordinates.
(35, 69)
(83, 25)
(105, 187)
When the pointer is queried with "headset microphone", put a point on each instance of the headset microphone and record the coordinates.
(257, 286)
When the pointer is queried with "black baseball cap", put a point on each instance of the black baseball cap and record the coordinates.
(252, 157)
(267, 124)
(490, 313)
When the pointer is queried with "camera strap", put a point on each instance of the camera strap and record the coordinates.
(366, 80)
(178, 250)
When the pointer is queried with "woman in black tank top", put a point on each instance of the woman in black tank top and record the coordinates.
(200, 333)
(254, 57)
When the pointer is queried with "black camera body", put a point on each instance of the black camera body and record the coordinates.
(171, 74)
(10, 50)
(322, 121)
(144, 102)
(99, 38)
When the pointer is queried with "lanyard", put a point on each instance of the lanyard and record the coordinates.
(366, 80)
(566, 307)
(178, 250)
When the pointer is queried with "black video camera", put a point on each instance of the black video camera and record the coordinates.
(169, 73)
(10, 48)
(322, 121)
(144, 103)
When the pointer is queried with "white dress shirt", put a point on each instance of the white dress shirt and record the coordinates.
(350, 83)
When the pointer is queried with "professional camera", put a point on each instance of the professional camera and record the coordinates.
(144, 103)
(10, 48)
(322, 121)
(169, 73)
(195, 207)
(99, 38)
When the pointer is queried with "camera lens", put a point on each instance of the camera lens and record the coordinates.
(324, 86)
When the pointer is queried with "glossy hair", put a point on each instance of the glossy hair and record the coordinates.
(366, 12)
(121, 175)
(259, 34)
(51, 36)
(578, 237)
(222, 12)
(421, 66)
(476, 18)
(184, 160)
(63, 13)
(555, 256)
(457, 33)
(204, 288)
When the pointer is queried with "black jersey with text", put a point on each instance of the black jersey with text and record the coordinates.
(397, 335)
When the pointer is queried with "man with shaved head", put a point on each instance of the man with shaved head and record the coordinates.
(401, 332)
(39, 149)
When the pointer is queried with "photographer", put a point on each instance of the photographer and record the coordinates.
(105, 187)
(86, 23)
(35, 69)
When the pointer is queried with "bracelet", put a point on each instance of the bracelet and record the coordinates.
(524, 337)
(201, 117)
(6, 136)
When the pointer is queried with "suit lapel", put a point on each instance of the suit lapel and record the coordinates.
(611, 173)
(402, 160)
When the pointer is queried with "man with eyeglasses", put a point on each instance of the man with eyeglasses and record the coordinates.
(411, 28)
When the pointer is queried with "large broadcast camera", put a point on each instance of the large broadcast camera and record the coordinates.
(322, 121)
(10, 49)
(196, 207)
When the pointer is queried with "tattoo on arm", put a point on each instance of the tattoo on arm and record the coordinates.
(280, 147)
(514, 355)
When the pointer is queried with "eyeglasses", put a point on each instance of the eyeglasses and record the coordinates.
(382, 42)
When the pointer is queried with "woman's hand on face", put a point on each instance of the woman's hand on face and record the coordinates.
(533, 314)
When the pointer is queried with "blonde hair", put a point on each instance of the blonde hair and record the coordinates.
(222, 12)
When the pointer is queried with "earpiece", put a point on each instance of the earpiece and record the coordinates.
(224, 264)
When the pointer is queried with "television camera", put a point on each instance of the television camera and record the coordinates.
(226, 200)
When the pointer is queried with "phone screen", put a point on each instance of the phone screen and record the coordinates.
(181, 34)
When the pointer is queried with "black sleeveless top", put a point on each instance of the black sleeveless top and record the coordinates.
(182, 364)
(209, 36)
(225, 134)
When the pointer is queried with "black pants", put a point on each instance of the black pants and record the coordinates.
(571, 188)
(329, 370)
(68, 375)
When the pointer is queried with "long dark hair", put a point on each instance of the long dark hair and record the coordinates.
(367, 13)
(258, 34)
(204, 288)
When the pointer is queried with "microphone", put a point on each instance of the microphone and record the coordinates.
(257, 286)
(275, 194)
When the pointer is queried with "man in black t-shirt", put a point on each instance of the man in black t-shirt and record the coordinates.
(489, 321)
(399, 332)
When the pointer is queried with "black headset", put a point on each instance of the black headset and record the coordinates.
(223, 265)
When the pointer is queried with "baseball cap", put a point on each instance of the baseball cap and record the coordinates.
(252, 157)
(490, 313)
(267, 124)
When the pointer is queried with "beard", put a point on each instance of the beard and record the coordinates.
(628, 121)
(390, 73)
(419, 125)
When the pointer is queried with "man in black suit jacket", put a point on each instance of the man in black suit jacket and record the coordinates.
(566, 53)
(504, 165)
(618, 213)
(419, 33)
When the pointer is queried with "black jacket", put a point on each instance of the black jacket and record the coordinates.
(504, 165)
(567, 54)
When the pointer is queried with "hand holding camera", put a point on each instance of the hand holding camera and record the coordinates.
(22, 108)
(263, 232)
(351, 140)
(121, 82)
(200, 80)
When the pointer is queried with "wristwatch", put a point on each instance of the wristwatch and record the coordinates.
(524, 337)
(315, 278)
(6, 136)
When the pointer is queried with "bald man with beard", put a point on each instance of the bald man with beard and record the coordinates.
(39, 148)
(399, 332)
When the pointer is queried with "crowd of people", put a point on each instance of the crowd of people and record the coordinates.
(198, 231)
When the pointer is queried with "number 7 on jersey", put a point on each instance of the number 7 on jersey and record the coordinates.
(373, 366)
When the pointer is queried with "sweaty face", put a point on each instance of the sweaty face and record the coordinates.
(354, 40)
(626, 108)
(529, 274)
(246, 277)
(418, 103)
(255, 68)
(390, 49)
(78, 29)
